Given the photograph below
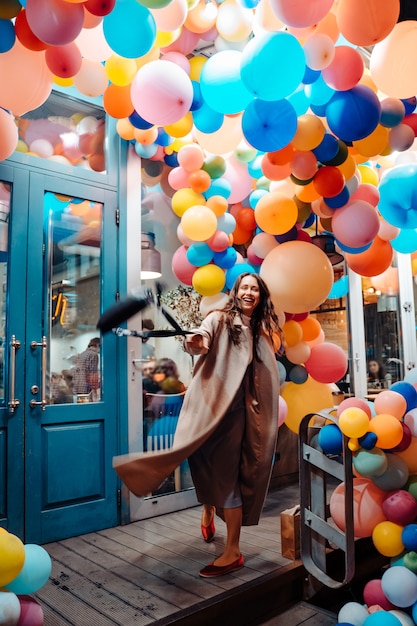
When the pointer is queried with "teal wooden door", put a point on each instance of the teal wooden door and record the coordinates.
(58, 428)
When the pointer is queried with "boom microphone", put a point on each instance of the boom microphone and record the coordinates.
(122, 311)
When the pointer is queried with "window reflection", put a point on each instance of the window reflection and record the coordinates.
(74, 232)
(5, 193)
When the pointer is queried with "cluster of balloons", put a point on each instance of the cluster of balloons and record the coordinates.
(383, 440)
(24, 569)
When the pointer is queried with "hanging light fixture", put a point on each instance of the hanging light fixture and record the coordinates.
(326, 242)
(150, 257)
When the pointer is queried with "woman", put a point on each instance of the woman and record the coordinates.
(376, 374)
(229, 420)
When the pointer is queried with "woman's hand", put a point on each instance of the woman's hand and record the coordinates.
(196, 344)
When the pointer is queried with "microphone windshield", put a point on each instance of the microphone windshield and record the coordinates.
(120, 312)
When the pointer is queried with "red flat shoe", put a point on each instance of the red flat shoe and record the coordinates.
(210, 571)
(209, 531)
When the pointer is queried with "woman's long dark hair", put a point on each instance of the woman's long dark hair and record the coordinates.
(263, 319)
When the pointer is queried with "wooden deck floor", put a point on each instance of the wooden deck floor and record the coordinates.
(147, 572)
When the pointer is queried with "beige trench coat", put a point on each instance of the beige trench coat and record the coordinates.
(216, 379)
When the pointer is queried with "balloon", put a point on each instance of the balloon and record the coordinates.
(353, 422)
(353, 114)
(272, 82)
(367, 506)
(211, 303)
(99, 7)
(366, 25)
(386, 537)
(161, 92)
(395, 476)
(199, 223)
(181, 267)
(370, 463)
(303, 399)
(54, 22)
(208, 280)
(373, 595)
(330, 439)
(9, 609)
(399, 585)
(354, 402)
(390, 402)
(299, 276)
(129, 29)
(345, 69)
(408, 391)
(221, 84)
(400, 507)
(31, 613)
(401, 212)
(64, 61)
(34, 573)
(353, 612)
(9, 135)
(269, 126)
(276, 213)
(327, 363)
(12, 557)
(385, 57)
(373, 261)
(388, 430)
(310, 132)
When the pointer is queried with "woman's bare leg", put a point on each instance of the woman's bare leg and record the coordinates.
(233, 519)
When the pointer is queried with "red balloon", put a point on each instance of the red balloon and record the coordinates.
(373, 595)
(25, 35)
(400, 507)
(54, 21)
(64, 61)
(100, 7)
(329, 181)
(327, 363)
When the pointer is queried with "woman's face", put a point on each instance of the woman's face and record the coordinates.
(249, 294)
(373, 367)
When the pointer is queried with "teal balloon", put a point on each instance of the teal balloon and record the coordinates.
(340, 288)
(130, 29)
(299, 100)
(221, 84)
(255, 166)
(225, 259)
(206, 119)
(237, 270)
(319, 92)
(219, 187)
(398, 196)
(199, 254)
(370, 463)
(269, 126)
(405, 241)
(273, 65)
(34, 573)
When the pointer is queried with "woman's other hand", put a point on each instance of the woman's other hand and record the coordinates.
(196, 344)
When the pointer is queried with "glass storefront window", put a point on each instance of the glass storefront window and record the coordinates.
(5, 193)
(66, 132)
(74, 226)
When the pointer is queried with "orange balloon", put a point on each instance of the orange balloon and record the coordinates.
(366, 23)
(311, 328)
(276, 213)
(199, 181)
(388, 429)
(218, 204)
(292, 333)
(125, 129)
(117, 102)
(375, 260)
(409, 456)
(240, 235)
(281, 157)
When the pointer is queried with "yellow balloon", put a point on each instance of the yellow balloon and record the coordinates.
(309, 397)
(374, 143)
(164, 38)
(199, 223)
(63, 82)
(368, 175)
(182, 127)
(12, 553)
(354, 422)
(386, 537)
(120, 71)
(293, 333)
(310, 132)
(209, 280)
(185, 198)
(196, 65)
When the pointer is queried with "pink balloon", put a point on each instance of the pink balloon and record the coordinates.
(219, 241)
(345, 70)
(161, 92)
(239, 178)
(31, 613)
(178, 178)
(9, 135)
(185, 43)
(366, 191)
(182, 269)
(299, 13)
(356, 224)
(178, 58)
(172, 16)
(327, 363)
(53, 21)
(354, 402)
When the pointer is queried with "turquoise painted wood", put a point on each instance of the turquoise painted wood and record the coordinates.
(56, 478)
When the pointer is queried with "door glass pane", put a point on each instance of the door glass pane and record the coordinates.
(384, 353)
(73, 227)
(5, 192)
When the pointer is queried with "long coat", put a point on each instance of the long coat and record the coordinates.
(217, 377)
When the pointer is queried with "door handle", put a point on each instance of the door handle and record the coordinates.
(43, 345)
(13, 402)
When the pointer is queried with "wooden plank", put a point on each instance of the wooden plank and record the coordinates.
(302, 613)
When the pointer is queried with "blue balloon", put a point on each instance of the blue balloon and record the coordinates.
(199, 254)
(405, 241)
(410, 104)
(206, 119)
(299, 100)
(197, 96)
(163, 138)
(171, 159)
(7, 35)
(353, 114)
(327, 148)
(319, 92)
(398, 196)
(290, 235)
(221, 83)
(269, 126)
(35, 572)
(318, 109)
(368, 441)
(138, 122)
(255, 166)
(310, 76)
(276, 80)
(310, 220)
(146, 151)
(255, 196)
(409, 537)
(218, 187)
(352, 250)
(225, 259)
(330, 439)
(340, 200)
(235, 271)
(408, 391)
(130, 29)
(298, 374)
(340, 288)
